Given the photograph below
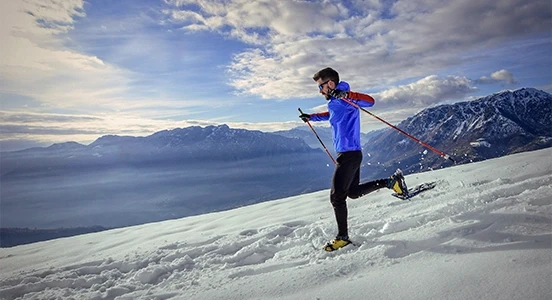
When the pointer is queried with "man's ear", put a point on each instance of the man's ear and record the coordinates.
(332, 84)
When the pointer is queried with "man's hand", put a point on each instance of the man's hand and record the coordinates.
(305, 117)
(338, 94)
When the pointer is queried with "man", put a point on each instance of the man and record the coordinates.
(345, 121)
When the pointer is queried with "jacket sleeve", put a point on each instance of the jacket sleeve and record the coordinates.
(325, 116)
(362, 100)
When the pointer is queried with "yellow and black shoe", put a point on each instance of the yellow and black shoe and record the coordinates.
(396, 183)
(338, 243)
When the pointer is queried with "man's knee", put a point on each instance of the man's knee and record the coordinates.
(338, 199)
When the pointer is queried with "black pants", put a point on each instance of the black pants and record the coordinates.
(345, 183)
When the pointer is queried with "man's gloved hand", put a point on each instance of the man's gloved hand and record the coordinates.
(305, 117)
(338, 94)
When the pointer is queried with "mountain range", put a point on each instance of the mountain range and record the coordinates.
(122, 180)
(180, 146)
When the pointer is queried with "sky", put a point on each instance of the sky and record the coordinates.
(73, 70)
(484, 232)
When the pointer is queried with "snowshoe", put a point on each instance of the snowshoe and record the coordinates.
(396, 183)
(338, 243)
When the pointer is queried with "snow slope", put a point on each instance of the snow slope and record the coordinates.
(483, 233)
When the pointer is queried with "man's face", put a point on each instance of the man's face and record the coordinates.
(324, 86)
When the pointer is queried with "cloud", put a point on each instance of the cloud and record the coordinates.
(426, 92)
(498, 76)
(372, 44)
(547, 88)
(26, 117)
(14, 122)
(265, 20)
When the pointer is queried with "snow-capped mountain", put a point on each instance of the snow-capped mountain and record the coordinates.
(211, 142)
(177, 146)
(509, 121)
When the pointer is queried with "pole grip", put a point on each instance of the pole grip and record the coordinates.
(319, 139)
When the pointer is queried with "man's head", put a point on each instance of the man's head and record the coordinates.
(327, 79)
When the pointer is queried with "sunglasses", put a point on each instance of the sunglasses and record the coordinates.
(321, 86)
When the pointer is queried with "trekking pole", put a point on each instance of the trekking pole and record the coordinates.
(322, 143)
(360, 96)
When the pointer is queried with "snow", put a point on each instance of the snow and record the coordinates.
(483, 233)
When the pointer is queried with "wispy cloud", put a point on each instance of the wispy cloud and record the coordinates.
(34, 63)
(40, 60)
(13, 123)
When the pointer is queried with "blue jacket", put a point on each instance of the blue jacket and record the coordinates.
(345, 121)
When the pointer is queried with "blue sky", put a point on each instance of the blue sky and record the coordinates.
(73, 71)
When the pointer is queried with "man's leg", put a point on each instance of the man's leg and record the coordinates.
(348, 164)
(368, 187)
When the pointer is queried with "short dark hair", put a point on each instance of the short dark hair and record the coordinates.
(327, 74)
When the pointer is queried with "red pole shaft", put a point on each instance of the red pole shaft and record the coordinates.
(441, 153)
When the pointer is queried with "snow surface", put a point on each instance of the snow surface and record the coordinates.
(483, 233)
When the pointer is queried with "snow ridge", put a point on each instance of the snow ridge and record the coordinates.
(495, 212)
